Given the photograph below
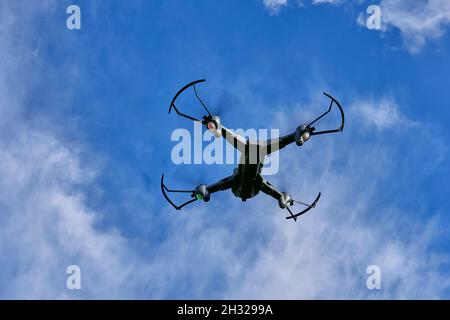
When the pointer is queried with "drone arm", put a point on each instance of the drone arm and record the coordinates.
(221, 185)
(276, 144)
(236, 140)
(270, 190)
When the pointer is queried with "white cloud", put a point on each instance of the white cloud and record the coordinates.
(325, 255)
(416, 20)
(274, 6)
(381, 114)
(45, 224)
(326, 1)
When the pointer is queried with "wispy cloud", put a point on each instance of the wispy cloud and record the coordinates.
(382, 114)
(327, 1)
(416, 20)
(326, 254)
(274, 6)
(45, 224)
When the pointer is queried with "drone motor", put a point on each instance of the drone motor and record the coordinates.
(201, 193)
(285, 200)
(302, 134)
(214, 126)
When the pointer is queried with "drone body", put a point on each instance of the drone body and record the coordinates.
(246, 180)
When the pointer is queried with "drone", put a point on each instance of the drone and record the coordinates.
(247, 181)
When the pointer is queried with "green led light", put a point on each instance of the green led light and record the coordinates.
(199, 196)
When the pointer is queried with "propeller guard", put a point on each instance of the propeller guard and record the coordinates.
(313, 131)
(309, 207)
(192, 84)
(164, 189)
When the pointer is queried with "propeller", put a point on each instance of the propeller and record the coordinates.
(223, 101)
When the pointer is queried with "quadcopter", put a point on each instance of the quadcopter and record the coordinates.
(247, 180)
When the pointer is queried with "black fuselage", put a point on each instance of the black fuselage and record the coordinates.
(248, 177)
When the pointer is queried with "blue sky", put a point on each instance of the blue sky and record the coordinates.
(85, 136)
